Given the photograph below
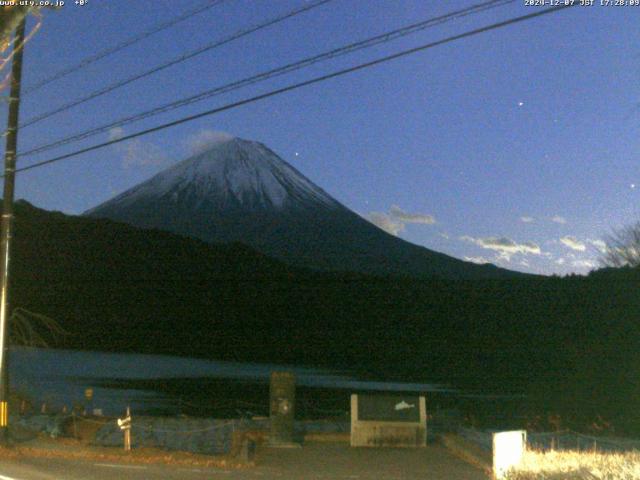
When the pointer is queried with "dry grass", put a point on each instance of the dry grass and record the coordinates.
(8, 454)
(572, 465)
(75, 449)
(136, 456)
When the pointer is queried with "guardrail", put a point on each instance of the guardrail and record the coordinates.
(562, 440)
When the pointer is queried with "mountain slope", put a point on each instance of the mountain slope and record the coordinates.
(239, 190)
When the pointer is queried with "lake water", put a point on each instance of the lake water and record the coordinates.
(169, 385)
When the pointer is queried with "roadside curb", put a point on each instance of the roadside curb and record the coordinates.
(467, 451)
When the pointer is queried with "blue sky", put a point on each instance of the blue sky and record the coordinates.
(518, 146)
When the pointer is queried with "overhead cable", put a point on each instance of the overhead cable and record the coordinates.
(288, 68)
(172, 62)
(120, 46)
(298, 85)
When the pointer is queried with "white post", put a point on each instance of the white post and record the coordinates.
(127, 433)
(508, 448)
(125, 426)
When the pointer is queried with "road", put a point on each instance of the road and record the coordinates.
(314, 461)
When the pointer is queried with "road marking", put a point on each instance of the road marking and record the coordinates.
(113, 465)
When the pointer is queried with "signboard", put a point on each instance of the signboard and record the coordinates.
(389, 408)
(379, 420)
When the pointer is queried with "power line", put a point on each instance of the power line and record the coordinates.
(120, 46)
(175, 61)
(353, 47)
(296, 86)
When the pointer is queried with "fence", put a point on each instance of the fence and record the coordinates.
(564, 440)
(569, 440)
(197, 435)
(207, 436)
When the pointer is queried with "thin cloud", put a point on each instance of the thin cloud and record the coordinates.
(116, 133)
(386, 223)
(205, 139)
(137, 153)
(584, 264)
(505, 247)
(600, 245)
(478, 260)
(394, 222)
(559, 219)
(573, 243)
(399, 214)
(527, 219)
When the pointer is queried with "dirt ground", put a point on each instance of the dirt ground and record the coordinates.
(314, 460)
(321, 457)
(340, 461)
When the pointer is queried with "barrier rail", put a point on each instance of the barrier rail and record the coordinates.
(562, 440)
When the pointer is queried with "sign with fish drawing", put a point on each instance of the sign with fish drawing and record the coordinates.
(388, 420)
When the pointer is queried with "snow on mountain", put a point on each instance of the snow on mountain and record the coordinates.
(241, 191)
(232, 171)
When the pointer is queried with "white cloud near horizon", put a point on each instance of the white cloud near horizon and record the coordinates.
(573, 243)
(478, 260)
(394, 222)
(385, 222)
(505, 247)
(401, 215)
(599, 244)
(584, 264)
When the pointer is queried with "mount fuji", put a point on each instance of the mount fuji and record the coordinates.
(241, 191)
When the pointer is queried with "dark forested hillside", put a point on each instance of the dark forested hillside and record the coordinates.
(572, 343)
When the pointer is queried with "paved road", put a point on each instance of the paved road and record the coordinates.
(314, 461)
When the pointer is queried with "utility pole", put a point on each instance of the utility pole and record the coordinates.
(7, 224)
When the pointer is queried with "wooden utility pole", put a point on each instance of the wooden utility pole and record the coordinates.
(7, 224)
(10, 18)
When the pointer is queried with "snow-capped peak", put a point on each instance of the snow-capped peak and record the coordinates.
(232, 170)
